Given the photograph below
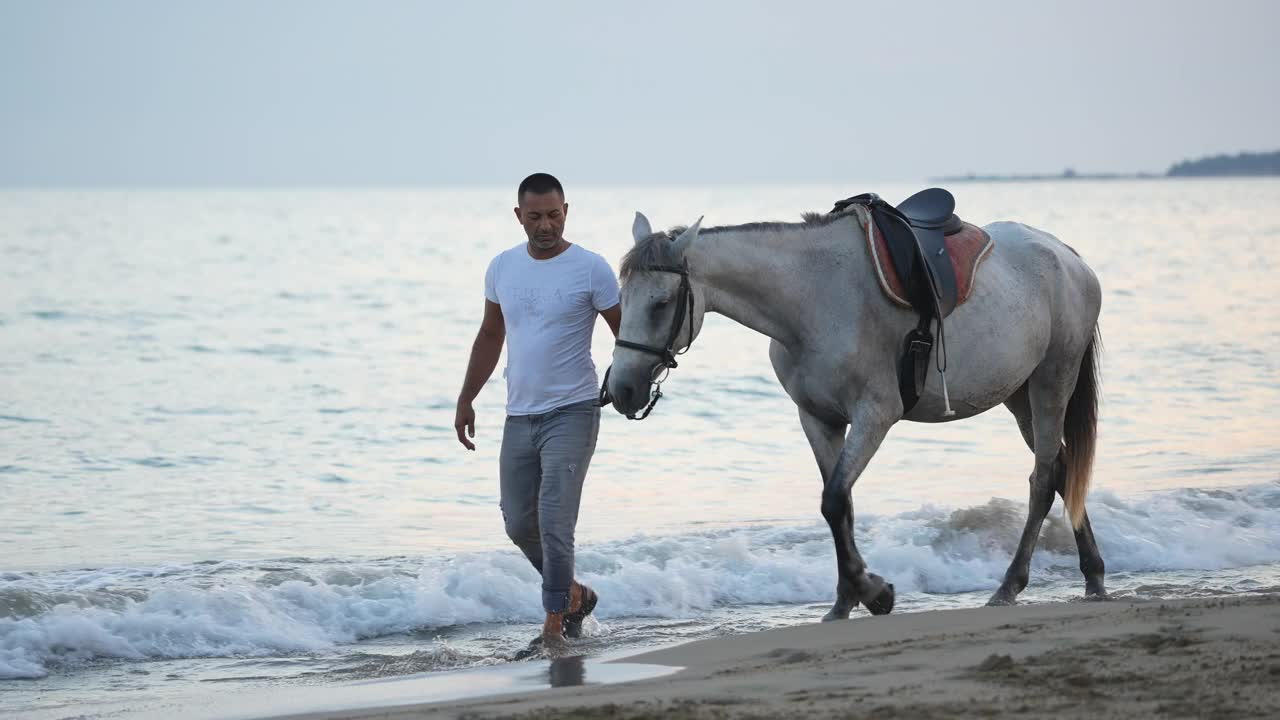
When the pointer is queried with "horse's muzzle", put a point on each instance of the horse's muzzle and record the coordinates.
(627, 400)
(626, 396)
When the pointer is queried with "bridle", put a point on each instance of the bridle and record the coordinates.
(667, 355)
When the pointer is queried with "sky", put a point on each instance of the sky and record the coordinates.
(132, 93)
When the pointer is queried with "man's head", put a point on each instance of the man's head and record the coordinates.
(542, 211)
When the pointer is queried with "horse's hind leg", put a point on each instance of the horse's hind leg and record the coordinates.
(1091, 564)
(1090, 559)
(1041, 500)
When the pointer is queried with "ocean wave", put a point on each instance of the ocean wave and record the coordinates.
(224, 609)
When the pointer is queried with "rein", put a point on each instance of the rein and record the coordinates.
(666, 355)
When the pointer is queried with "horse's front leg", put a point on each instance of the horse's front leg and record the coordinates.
(855, 584)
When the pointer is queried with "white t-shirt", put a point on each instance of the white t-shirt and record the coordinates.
(550, 309)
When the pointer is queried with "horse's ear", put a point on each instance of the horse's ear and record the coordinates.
(640, 229)
(687, 237)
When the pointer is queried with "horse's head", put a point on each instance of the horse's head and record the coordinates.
(661, 312)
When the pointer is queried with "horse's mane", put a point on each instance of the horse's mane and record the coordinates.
(659, 248)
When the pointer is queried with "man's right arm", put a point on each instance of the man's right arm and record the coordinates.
(484, 358)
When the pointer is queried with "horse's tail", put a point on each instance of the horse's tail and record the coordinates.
(1080, 431)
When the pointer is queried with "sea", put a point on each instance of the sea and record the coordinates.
(228, 466)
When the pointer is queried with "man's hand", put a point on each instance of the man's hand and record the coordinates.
(465, 423)
(484, 358)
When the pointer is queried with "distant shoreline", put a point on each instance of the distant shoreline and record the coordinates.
(1099, 176)
(1264, 164)
(1047, 178)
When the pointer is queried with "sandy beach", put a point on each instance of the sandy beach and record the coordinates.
(1192, 658)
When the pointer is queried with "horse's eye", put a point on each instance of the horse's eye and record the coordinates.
(660, 305)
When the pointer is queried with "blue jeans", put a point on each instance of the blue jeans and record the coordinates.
(542, 467)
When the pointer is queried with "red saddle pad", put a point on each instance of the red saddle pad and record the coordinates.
(967, 249)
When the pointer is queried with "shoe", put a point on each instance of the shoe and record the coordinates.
(573, 620)
(533, 650)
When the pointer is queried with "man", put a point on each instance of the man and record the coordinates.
(544, 295)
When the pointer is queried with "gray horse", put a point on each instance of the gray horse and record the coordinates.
(1027, 337)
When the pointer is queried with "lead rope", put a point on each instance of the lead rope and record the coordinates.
(606, 399)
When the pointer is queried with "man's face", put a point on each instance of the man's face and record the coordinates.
(543, 216)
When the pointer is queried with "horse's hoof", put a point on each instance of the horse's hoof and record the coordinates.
(839, 611)
(1002, 599)
(1096, 595)
(882, 603)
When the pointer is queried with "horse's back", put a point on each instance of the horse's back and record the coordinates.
(1033, 296)
(1064, 279)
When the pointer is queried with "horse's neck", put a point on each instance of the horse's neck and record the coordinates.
(763, 277)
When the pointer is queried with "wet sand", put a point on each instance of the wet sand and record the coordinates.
(1192, 658)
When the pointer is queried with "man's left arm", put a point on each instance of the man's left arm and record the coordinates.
(604, 294)
(613, 316)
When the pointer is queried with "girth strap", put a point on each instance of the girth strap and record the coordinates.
(913, 366)
(930, 281)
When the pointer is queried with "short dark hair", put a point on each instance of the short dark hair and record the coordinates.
(539, 183)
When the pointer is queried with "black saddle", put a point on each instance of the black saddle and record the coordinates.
(932, 209)
(914, 232)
